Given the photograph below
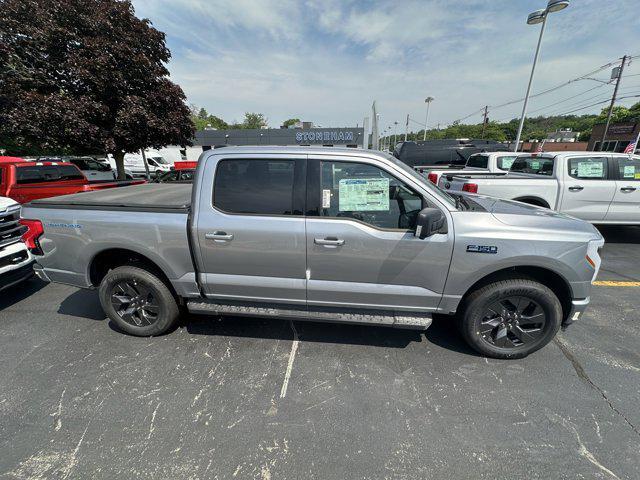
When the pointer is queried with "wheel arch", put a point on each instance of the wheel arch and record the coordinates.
(554, 281)
(111, 258)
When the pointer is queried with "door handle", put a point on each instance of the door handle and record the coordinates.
(219, 236)
(577, 188)
(329, 241)
(628, 189)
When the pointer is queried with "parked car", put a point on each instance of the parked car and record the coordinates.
(600, 187)
(176, 176)
(134, 163)
(321, 234)
(92, 169)
(16, 262)
(477, 164)
(446, 153)
(26, 181)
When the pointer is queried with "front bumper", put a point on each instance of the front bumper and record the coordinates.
(577, 309)
(10, 278)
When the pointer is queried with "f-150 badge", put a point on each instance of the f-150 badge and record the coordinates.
(482, 249)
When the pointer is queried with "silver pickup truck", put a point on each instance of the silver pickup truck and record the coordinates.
(321, 234)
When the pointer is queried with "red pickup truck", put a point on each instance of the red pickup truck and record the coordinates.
(25, 181)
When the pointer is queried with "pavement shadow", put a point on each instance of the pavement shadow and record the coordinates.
(620, 233)
(320, 332)
(83, 303)
(12, 295)
(444, 333)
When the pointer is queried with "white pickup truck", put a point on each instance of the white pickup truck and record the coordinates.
(477, 164)
(16, 262)
(600, 187)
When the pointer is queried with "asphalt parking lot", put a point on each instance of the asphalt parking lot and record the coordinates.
(246, 398)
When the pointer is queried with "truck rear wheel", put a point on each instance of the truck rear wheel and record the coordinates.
(510, 318)
(137, 301)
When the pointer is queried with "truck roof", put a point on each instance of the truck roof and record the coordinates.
(306, 150)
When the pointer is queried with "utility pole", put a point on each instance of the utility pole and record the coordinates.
(613, 101)
(428, 101)
(484, 119)
(406, 128)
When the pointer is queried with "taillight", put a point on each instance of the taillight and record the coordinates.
(470, 187)
(33, 233)
(433, 178)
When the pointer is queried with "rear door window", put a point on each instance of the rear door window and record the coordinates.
(533, 165)
(505, 163)
(262, 187)
(588, 168)
(629, 168)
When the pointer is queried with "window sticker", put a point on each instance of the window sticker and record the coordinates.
(629, 171)
(507, 162)
(326, 198)
(590, 169)
(637, 176)
(535, 165)
(363, 194)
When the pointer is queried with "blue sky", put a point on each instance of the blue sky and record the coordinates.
(326, 61)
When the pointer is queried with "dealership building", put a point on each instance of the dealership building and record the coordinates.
(352, 137)
(619, 135)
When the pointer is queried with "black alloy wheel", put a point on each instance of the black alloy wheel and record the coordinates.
(512, 322)
(135, 303)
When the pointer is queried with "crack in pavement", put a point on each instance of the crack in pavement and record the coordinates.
(582, 375)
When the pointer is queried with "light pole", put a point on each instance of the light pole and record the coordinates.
(428, 101)
(539, 16)
(395, 134)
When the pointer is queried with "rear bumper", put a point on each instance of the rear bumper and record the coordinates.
(577, 309)
(12, 277)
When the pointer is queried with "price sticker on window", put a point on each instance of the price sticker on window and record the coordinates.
(629, 171)
(591, 169)
(326, 198)
(363, 194)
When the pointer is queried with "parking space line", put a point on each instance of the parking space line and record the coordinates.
(611, 283)
(292, 357)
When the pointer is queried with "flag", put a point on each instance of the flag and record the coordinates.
(539, 146)
(631, 148)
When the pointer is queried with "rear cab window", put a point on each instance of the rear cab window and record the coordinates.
(533, 165)
(588, 168)
(628, 168)
(478, 161)
(47, 173)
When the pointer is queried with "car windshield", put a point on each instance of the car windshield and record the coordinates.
(533, 165)
(159, 160)
(440, 193)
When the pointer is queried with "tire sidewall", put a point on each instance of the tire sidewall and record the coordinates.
(168, 308)
(476, 309)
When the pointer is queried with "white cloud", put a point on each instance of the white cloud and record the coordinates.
(326, 61)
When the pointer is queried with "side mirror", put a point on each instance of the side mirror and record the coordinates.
(429, 221)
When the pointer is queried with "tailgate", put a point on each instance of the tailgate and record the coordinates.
(452, 182)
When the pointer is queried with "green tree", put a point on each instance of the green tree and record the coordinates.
(86, 76)
(289, 122)
(254, 120)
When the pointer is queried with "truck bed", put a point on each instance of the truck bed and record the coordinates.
(146, 197)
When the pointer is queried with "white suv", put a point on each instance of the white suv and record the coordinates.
(16, 262)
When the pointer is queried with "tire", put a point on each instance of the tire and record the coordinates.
(510, 318)
(154, 310)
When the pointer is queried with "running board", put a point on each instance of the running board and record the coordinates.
(409, 320)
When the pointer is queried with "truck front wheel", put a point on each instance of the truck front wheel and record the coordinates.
(137, 301)
(510, 318)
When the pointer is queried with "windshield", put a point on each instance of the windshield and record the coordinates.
(437, 191)
(533, 165)
(159, 160)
